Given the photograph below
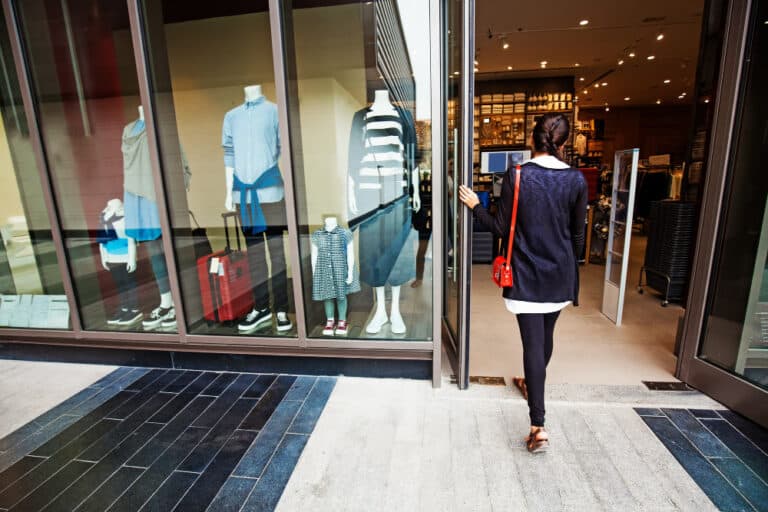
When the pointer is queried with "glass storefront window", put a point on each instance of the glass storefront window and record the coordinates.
(362, 162)
(31, 291)
(214, 98)
(736, 329)
(83, 72)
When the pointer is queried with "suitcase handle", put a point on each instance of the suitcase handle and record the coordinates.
(236, 215)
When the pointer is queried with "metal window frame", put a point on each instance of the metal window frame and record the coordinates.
(300, 345)
(726, 387)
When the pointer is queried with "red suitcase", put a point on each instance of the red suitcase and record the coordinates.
(225, 280)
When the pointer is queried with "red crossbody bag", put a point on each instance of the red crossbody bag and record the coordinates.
(502, 266)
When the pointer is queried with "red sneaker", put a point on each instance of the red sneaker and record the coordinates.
(329, 328)
(341, 329)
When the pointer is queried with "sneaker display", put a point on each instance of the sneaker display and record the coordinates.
(170, 319)
(130, 317)
(115, 320)
(283, 322)
(341, 328)
(254, 319)
(157, 317)
(329, 329)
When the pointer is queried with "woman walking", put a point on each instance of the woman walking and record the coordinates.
(549, 237)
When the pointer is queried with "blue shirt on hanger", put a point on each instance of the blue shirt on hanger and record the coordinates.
(251, 142)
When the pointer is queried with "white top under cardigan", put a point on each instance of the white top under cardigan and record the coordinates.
(521, 306)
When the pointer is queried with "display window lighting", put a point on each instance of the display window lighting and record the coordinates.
(607, 109)
(658, 102)
(509, 68)
(604, 84)
(621, 62)
(504, 44)
(680, 97)
(584, 23)
(455, 72)
(476, 70)
(597, 86)
(706, 100)
(627, 98)
(581, 79)
(577, 65)
(667, 81)
(544, 64)
(632, 55)
(659, 36)
(476, 63)
(651, 57)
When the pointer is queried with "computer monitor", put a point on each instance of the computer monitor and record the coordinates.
(497, 162)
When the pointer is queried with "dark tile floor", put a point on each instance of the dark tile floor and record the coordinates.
(162, 440)
(726, 454)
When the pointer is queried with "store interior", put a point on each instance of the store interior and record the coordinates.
(625, 75)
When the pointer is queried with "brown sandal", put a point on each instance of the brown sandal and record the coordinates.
(519, 383)
(537, 441)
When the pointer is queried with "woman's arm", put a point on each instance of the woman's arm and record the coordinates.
(578, 219)
(498, 224)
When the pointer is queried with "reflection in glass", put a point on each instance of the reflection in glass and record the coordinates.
(83, 71)
(230, 224)
(362, 166)
(31, 292)
(735, 334)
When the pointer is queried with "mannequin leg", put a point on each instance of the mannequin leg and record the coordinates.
(421, 255)
(276, 219)
(342, 305)
(166, 300)
(330, 308)
(398, 325)
(160, 269)
(380, 317)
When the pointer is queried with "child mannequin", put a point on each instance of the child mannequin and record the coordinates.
(333, 272)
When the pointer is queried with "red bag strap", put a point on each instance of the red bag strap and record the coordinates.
(513, 222)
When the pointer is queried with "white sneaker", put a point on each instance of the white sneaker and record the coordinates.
(283, 322)
(158, 316)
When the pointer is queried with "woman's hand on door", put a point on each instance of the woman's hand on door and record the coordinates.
(468, 197)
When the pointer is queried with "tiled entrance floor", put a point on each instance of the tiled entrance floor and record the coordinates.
(164, 440)
(724, 453)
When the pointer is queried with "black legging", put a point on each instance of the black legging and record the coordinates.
(537, 330)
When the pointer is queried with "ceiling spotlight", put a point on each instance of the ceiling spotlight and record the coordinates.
(504, 44)
(509, 68)
(604, 84)
(659, 36)
(706, 100)
(544, 64)
(621, 61)
(476, 70)
(683, 93)
(627, 98)
(584, 23)
(477, 63)
(607, 109)
(581, 79)
(577, 64)
(597, 85)
(667, 81)
(632, 55)
(658, 102)
(651, 57)
(455, 72)
(680, 97)
(586, 91)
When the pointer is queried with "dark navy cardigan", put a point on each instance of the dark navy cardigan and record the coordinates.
(549, 234)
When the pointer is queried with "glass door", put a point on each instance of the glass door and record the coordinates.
(458, 84)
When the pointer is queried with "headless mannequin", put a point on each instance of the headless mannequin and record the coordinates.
(131, 265)
(252, 93)
(166, 300)
(331, 305)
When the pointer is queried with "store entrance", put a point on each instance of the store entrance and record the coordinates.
(626, 75)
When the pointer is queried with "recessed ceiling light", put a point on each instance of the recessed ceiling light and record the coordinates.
(476, 70)
(577, 64)
(584, 23)
(651, 57)
(604, 84)
(681, 97)
(658, 102)
(597, 85)
(581, 79)
(621, 61)
(505, 45)
(684, 93)
(509, 68)
(627, 98)
(544, 63)
(586, 91)
(455, 72)
(607, 109)
(667, 81)
(659, 36)
(632, 54)
(706, 100)
(477, 63)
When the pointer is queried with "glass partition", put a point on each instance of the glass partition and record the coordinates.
(83, 74)
(213, 86)
(31, 291)
(736, 329)
(361, 125)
